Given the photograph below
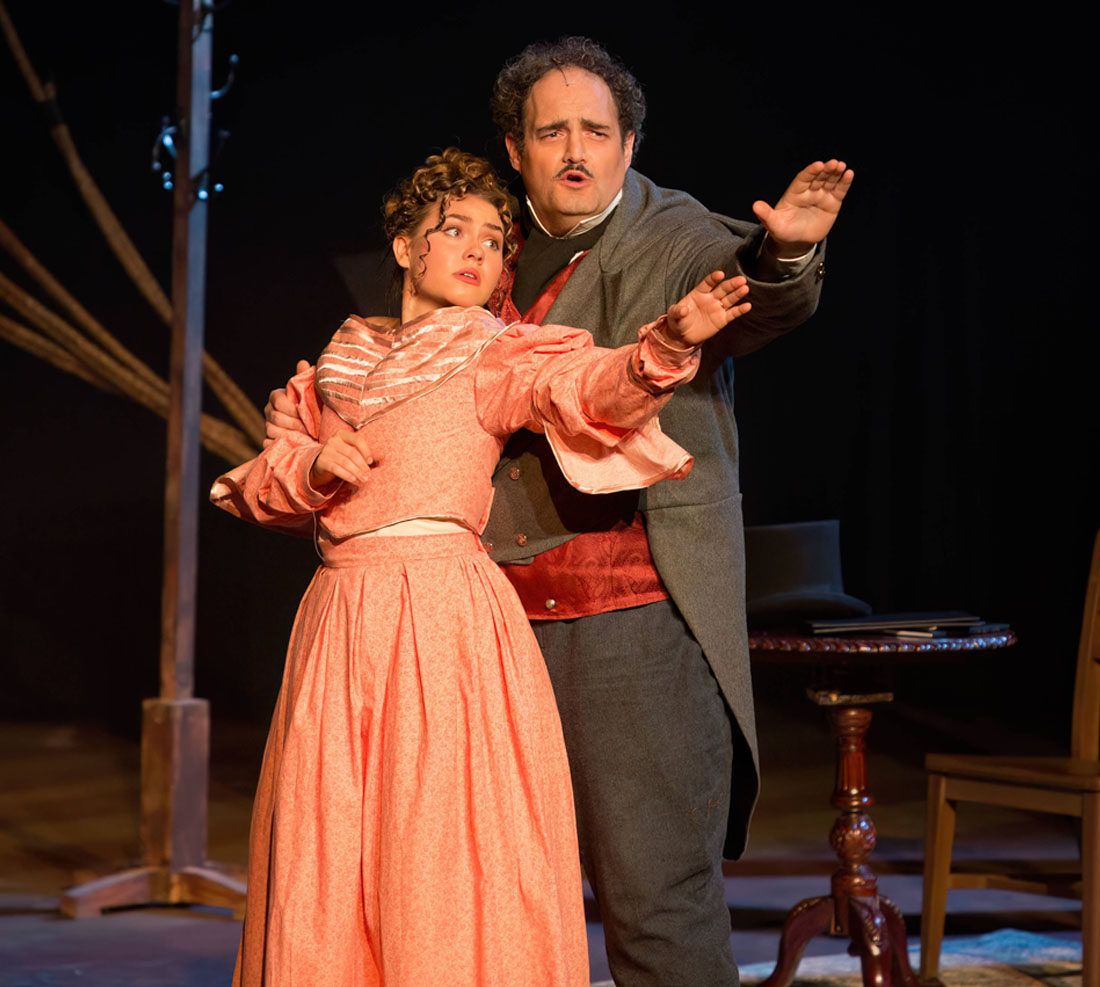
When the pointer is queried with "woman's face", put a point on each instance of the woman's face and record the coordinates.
(458, 264)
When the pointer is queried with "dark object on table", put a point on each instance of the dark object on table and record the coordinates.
(1066, 786)
(792, 571)
(920, 620)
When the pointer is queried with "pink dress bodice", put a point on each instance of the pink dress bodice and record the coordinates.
(436, 411)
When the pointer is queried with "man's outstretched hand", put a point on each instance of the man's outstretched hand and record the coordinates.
(711, 305)
(808, 209)
(280, 414)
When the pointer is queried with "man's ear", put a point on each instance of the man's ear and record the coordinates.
(401, 250)
(512, 145)
(628, 148)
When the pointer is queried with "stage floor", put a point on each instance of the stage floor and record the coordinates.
(69, 811)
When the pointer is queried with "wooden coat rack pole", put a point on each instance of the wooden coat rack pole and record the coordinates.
(175, 734)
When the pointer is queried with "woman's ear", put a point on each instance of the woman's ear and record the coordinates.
(401, 250)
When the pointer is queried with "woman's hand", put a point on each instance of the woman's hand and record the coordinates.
(346, 456)
(712, 304)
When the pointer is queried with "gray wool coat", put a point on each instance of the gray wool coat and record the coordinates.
(660, 243)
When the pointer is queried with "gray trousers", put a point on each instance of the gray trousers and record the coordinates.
(649, 742)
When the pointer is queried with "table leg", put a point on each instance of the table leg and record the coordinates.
(852, 836)
(899, 947)
(878, 937)
(854, 908)
(806, 920)
(866, 930)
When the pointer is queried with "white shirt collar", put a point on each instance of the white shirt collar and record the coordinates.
(583, 226)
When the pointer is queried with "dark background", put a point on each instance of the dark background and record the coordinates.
(942, 403)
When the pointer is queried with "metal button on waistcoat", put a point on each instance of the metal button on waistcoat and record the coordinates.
(488, 546)
(521, 539)
(550, 604)
(513, 473)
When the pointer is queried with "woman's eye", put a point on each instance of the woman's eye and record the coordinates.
(451, 231)
(492, 244)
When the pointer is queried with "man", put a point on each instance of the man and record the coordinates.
(638, 600)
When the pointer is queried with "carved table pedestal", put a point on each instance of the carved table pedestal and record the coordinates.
(854, 908)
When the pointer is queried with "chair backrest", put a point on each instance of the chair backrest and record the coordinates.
(1085, 736)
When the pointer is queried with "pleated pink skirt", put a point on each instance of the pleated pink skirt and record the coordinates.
(413, 825)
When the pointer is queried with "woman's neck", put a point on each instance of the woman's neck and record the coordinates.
(411, 311)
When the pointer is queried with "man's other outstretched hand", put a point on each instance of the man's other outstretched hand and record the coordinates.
(808, 209)
(711, 305)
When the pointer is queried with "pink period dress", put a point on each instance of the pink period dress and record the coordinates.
(413, 822)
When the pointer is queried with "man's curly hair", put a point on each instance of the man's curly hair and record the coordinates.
(515, 80)
(442, 178)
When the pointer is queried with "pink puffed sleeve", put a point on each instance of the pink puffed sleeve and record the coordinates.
(273, 489)
(597, 406)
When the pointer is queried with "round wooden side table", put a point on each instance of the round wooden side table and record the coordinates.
(854, 908)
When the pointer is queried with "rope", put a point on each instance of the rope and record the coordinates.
(33, 343)
(226, 441)
(234, 400)
(20, 54)
(11, 243)
(231, 396)
(217, 436)
(106, 368)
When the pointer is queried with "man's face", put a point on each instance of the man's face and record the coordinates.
(574, 157)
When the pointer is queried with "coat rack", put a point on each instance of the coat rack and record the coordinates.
(175, 735)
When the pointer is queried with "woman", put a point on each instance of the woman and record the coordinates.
(413, 823)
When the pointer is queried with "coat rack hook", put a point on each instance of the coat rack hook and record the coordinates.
(164, 147)
(219, 93)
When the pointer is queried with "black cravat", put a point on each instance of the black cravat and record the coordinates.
(543, 256)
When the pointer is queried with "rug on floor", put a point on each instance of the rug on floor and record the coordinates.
(1006, 958)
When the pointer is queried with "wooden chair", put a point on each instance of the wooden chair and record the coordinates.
(1067, 786)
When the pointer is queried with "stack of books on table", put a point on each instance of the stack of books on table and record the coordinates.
(925, 624)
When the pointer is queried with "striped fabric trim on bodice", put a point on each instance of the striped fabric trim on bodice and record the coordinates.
(365, 371)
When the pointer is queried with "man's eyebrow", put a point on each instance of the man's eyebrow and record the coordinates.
(561, 124)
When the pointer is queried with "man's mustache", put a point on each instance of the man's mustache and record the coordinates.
(575, 167)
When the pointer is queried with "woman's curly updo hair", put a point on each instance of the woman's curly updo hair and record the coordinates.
(442, 178)
(520, 74)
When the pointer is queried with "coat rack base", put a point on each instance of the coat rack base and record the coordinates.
(175, 756)
(207, 885)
